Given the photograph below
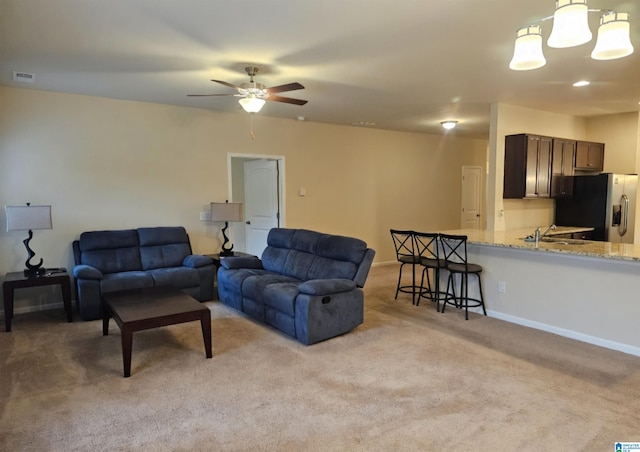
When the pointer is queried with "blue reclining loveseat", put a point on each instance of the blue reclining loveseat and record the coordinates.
(307, 284)
(108, 261)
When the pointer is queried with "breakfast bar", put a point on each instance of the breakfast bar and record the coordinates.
(585, 290)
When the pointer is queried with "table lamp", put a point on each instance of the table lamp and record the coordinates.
(27, 218)
(226, 211)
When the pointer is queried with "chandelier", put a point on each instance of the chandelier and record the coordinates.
(570, 29)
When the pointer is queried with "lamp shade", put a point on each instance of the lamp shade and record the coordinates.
(251, 103)
(226, 211)
(527, 53)
(23, 218)
(570, 24)
(613, 37)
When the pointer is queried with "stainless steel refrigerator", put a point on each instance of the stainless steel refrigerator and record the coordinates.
(606, 202)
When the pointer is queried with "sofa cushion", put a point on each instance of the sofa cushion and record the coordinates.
(281, 296)
(179, 277)
(163, 247)
(110, 251)
(232, 280)
(102, 240)
(125, 281)
(254, 286)
(197, 260)
(341, 248)
(113, 260)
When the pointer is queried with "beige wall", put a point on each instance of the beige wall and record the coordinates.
(620, 135)
(105, 163)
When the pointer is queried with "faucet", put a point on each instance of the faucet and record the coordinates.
(538, 235)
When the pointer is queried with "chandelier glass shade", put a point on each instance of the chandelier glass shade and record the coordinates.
(570, 29)
(570, 24)
(251, 103)
(613, 37)
(527, 53)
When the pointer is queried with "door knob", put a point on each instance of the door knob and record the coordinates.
(247, 222)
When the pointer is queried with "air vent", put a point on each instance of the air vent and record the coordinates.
(24, 77)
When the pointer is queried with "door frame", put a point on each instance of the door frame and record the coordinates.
(239, 236)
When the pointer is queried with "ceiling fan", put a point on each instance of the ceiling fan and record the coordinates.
(255, 94)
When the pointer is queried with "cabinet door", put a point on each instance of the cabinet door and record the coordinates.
(531, 167)
(515, 164)
(527, 166)
(589, 156)
(543, 170)
(562, 162)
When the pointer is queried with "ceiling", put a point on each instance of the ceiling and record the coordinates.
(404, 65)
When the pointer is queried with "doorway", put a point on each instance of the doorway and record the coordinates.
(471, 205)
(258, 182)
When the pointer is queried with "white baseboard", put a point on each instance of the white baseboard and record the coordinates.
(612, 345)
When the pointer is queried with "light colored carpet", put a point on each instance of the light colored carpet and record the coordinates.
(407, 379)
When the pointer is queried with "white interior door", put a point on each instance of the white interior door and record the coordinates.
(261, 207)
(471, 199)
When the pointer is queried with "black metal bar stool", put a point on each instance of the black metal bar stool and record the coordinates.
(455, 254)
(405, 254)
(427, 248)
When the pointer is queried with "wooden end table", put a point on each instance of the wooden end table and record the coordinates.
(152, 307)
(17, 280)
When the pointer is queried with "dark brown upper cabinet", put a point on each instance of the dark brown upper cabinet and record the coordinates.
(589, 156)
(527, 166)
(563, 158)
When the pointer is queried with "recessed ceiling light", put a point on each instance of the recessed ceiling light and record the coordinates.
(449, 124)
(363, 123)
(582, 83)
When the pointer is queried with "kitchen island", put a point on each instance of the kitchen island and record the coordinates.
(584, 290)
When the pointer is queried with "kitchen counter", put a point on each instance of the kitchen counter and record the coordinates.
(580, 289)
(515, 239)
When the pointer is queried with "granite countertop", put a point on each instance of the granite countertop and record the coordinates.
(514, 238)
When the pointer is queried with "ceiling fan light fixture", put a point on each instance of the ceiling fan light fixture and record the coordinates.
(527, 52)
(570, 24)
(251, 103)
(613, 37)
(449, 124)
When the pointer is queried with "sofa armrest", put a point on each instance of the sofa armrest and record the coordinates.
(86, 272)
(197, 260)
(326, 286)
(232, 262)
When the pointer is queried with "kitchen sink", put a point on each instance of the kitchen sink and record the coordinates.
(557, 241)
(563, 241)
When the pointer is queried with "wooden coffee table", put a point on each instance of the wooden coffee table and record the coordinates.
(152, 307)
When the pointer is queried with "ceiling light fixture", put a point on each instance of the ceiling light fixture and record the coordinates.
(449, 124)
(582, 83)
(570, 29)
(251, 103)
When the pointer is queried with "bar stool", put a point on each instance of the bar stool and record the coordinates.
(427, 247)
(455, 255)
(405, 254)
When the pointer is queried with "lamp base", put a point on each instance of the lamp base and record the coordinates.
(34, 272)
(226, 253)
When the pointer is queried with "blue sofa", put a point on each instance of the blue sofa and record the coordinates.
(108, 261)
(307, 284)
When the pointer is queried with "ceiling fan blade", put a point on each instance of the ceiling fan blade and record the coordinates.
(287, 100)
(209, 95)
(282, 88)
(230, 85)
